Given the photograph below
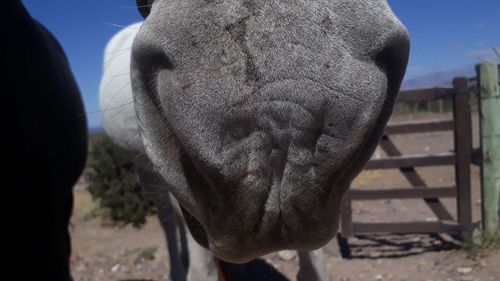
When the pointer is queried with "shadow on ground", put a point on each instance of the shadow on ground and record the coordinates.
(394, 246)
(256, 270)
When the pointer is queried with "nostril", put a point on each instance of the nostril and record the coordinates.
(383, 59)
(394, 56)
(147, 62)
(393, 59)
(152, 58)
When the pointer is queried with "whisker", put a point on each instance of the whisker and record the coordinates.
(109, 60)
(119, 112)
(121, 74)
(115, 94)
(137, 6)
(118, 51)
(108, 109)
(119, 25)
(136, 157)
(117, 75)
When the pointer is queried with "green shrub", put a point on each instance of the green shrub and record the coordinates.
(148, 253)
(114, 184)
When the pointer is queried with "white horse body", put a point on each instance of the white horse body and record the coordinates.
(115, 99)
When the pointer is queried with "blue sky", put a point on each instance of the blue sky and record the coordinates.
(448, 37)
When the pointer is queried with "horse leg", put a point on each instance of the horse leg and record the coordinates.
(153, 185)
(202, 265)
(312, 266)
(184, 242)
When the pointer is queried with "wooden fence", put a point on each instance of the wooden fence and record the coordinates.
(461, 226)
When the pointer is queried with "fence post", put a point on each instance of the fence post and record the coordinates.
(489, 106)
(463, 149)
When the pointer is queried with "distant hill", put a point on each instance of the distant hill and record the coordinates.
(439, 78)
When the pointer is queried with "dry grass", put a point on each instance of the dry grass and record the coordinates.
(482, 247)
(366, 177)
(83, 204)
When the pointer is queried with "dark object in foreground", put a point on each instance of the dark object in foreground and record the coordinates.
(46, 147)
(256, 270)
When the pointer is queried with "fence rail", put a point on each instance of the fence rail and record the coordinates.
(419, 127)
(427, 94)
(419, 192)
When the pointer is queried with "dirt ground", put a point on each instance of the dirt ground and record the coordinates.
(102, 252)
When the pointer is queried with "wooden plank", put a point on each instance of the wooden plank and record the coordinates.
(414, 178)
(419, 127)
(402, 193)
(346, 217)
(489, 105)
(447, 158)
(407, 227)
(463, 150)
(424, 94)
